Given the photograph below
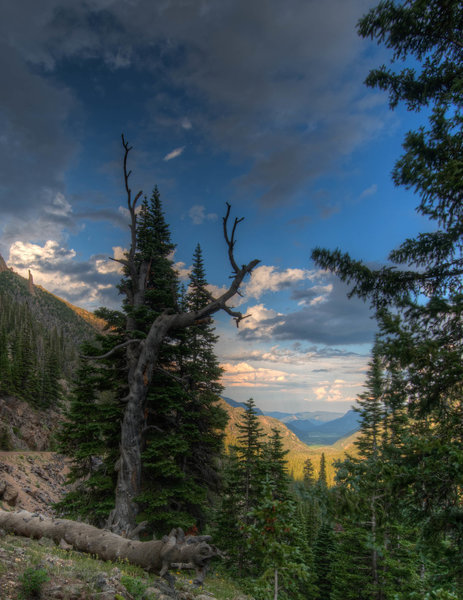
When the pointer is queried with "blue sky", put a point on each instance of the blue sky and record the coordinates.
(261, 105)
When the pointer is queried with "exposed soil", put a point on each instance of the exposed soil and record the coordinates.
(33, 481)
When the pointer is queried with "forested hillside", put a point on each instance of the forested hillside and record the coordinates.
(39, 341)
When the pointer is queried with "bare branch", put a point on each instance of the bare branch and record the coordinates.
(118, 347)
(152, 427)
(237, 316)
(130, 203)
(123, 261)
(231, 240)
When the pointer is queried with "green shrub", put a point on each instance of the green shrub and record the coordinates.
(134, 586)
(31, 582)
(5, 440)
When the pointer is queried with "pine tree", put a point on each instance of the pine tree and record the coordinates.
(275, 466)
(243, 484)
(324, 548)
(6, 384)
(278, 546)
(184, 424)
(419, 298)
(309, 473)
(321, 479)
(90, 436)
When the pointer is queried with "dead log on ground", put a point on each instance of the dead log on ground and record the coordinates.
(154, 556)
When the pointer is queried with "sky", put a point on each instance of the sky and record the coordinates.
(259, 104)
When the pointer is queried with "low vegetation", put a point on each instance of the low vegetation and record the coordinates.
(32, 569)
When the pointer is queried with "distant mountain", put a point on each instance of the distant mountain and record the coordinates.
(328, 432)
(314, 428)
(317, 416)
(236, 404)
(298, 452)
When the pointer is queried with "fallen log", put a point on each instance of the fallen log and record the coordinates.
(153, 556)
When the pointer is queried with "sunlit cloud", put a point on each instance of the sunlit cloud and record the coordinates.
(106, 265)
(268, 279)
(245, 375)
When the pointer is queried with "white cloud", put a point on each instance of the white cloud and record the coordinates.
(106, 265)
(338, 390)
(186, 123)
(245, 375)
(216, 291)
(316, 295)
(25, 255)
(54, 267)
(255, 320)
(197, 214)
(370, 191)
(182, 270)
(174, 154)
(269, 279)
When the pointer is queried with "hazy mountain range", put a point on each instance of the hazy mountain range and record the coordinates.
(313, 428)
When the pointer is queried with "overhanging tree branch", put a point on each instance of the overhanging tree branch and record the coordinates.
(112, 351)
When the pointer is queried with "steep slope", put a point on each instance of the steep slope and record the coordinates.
(235, 415)
(40, 336)
(51, 311)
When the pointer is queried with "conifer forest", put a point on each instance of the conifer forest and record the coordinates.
(143, 426)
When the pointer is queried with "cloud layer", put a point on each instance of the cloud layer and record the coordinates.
(276, 86)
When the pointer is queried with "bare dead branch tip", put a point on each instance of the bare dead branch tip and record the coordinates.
(118, 347)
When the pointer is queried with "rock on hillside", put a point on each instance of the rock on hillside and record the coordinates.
(24, 428)
(32, 481)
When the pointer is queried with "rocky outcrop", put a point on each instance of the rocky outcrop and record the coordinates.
(24, 428)
(32, 480)
(3, 265)
(30, 284)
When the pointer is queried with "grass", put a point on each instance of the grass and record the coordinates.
(18, 555)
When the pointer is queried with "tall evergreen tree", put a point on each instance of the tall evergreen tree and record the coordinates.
(242, 488)
(275, 465)
(279, 547)
(143, 348)
(308, 474)
(322, 481)
(184, 422)
(419, 298)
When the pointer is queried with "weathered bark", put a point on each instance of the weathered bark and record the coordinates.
(142, 358)
(155, 556)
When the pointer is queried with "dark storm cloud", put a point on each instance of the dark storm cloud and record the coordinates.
(332, 320)
(277, 85)
(34, 148)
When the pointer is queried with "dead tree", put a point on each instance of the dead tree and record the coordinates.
(142, 355)
(158, 556)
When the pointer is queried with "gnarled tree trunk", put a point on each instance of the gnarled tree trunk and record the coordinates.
(142, 357)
